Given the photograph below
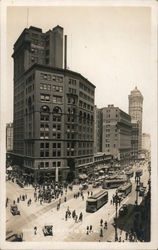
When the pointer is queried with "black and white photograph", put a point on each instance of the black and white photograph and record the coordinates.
(79, 125)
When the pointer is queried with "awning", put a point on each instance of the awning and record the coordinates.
(83, 176)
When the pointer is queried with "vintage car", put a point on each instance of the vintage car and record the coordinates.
(12, 237)
(123, 210)
(14, 210)
(48, 230)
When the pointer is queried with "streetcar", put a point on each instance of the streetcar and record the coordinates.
(138, 172)
(125, 189)
(96, 201)
(115, 183)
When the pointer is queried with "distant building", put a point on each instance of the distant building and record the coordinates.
(116, 133)
(9, 137)
(146, 142)
(97, 130)
(136, 112)
(134, 139)
(53, 109)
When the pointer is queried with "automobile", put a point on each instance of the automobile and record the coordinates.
(14, 210)
(48, 230)
(123, 210)
(12, 237)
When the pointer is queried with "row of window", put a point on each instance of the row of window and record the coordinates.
(86, 97)
(46, 98)
(50, 77)
(49, 164)
(85, 88)
(85, 105)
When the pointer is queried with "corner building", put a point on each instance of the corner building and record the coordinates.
(116, 135)
(53, 113)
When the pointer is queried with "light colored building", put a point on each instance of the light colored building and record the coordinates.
(116, 133)
(136, 112)
(9, 137)
(146, 142)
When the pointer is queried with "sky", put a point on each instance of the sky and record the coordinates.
(110, 46)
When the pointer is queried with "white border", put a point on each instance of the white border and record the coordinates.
(3, 103)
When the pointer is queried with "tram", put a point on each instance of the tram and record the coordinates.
(96, 201)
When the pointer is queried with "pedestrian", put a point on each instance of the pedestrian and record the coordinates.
(88, 193)
(111, 202)
(91, 193)
(120, 239)
(83, 197)
(90, 228)
(76, 218)
(105, 225)
(65, 199)
(35, 230)
(87, 229)
(66, 216)
(101, 222)
(101, 232)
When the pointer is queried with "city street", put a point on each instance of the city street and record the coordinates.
(37, 215)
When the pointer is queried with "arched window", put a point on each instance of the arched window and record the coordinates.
(45, 108)
(57, 110)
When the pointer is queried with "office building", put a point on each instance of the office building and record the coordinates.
(116, 133)
(97, 130)
(53, 109)
(136, 112)
(146, 142)
(9, 137)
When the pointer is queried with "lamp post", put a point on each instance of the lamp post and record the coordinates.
(116, 201)
(137, 179)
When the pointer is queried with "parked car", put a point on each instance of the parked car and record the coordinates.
(48, 230)
(123, 210)
(14, 210)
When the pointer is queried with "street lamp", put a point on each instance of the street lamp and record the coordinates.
(116, 201)
(137, 179)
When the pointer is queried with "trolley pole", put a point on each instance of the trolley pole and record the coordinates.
(116, 199)
(137, 179)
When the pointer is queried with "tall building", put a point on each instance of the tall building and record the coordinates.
(146, 142)
(116, 133)
(134, 140)
(136, 111)
(9, 137)
(53, 108)
(97, 130)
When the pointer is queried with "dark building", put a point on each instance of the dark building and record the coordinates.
(53, 108)
(134, 140)
(116, 133)
(97, 130)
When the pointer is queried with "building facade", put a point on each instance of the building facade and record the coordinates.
(97, 130)
(53, 109)
(116, 134)
(136, 112)
(146, 142)
(134, 140)
(9, 137)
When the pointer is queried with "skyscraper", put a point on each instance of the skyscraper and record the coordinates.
(136, 112)
(53, 108)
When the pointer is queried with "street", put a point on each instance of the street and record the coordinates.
(37, 215)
